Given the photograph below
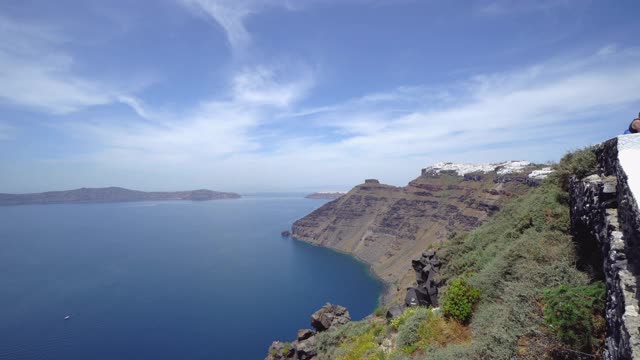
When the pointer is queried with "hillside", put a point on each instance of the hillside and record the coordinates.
(110, 194)
(389, 226)
(514, 288)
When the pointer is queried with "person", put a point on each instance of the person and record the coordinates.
(634, 127)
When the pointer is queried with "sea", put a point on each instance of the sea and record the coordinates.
(166, 280)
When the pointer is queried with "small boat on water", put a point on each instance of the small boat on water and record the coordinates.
(67, 317)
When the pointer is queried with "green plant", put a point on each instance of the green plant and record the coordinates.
(286, 347)
(397, 322)
(408, 330)
(362, 347)
(459, 300)
(574, 313)
(334, 343)
(438, 331)
(580, 164)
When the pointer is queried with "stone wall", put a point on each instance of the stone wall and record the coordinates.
(606, 224)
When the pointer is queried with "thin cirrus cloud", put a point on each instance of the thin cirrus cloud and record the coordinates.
(403, 129)
(36, 73)
(501, 7)
(232, 14)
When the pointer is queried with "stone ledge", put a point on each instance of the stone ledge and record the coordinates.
(605, 216)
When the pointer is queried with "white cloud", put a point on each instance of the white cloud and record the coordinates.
(269, 86)
(35, 72)
(490, 117)
(499, 7)
(232, 14)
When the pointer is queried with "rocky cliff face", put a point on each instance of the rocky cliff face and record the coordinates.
(605, 221)
(388, 226)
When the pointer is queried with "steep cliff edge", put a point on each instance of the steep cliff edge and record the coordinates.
(388, 227)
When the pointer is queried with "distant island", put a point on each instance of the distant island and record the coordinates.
(110, 194)
(326, 195)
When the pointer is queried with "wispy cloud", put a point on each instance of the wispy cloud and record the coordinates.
(232, 14)
(36, 73)
(394, 132)
(499, 7)
(280, 86)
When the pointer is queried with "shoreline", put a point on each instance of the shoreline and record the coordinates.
(387, 286)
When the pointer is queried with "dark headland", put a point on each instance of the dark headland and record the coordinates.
(110, 194)
(326, 195)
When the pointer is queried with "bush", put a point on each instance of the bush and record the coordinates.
(364, 346)
(436, 331)
(408, 330)
(459, 300)
(356, 338)
(579, 163)
(574, 314)
(397, 322)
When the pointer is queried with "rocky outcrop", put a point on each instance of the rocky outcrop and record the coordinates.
(327, 318)
(388, 227)
(425, 293)
(110, 194)
(605, 222)
(327, 195)
(285, 234)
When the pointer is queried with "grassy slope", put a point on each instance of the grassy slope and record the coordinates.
(512, 259)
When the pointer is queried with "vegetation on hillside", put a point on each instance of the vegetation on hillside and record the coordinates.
(513, 291)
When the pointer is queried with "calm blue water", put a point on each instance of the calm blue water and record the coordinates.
(166, 280)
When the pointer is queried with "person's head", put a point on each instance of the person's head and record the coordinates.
(635, 125)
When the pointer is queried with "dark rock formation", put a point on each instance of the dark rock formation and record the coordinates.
(328, 316)
(605, 222)
(110, 194)
(285, 234)
(371, 181)
(394, 311)
(304, 347)
(428, 279)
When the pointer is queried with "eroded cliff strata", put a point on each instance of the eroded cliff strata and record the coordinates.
(388, 226)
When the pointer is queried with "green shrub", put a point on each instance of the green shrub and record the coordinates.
(408, 330)
(459, 300)
(286, 347)
(352, 338)
(397, 322)
(580, 163)
(574, 313)
(363, 347)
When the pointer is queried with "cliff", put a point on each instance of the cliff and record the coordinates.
(388, 226)
(110, 194)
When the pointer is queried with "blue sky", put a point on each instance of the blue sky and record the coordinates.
(284, 95)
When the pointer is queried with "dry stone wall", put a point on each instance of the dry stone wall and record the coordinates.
(606, 224)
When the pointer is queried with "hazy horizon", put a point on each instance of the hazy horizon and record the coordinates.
(278, 95)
